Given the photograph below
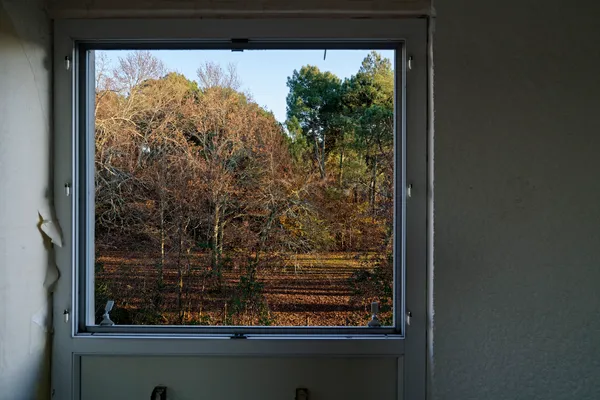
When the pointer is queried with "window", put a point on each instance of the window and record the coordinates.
(85, 260)
(210, 209)
(240, 186)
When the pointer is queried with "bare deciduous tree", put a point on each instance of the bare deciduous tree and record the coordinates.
(136, 67)
(211, 74)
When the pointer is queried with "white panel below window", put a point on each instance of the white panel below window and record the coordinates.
(224, 378)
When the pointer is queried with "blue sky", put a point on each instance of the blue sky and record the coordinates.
(263, 73)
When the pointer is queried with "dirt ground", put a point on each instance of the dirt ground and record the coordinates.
(303, 290)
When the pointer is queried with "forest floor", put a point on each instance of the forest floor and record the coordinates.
(304, 290)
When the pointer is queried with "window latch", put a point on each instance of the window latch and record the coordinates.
(106, 321)
(238, 336)
(238, 44)
(374, 322)
(159, 393)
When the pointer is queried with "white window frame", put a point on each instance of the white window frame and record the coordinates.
(72, 337)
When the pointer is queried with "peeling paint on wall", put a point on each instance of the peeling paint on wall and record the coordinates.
(27, 270)
(51, 236)
(50, 228)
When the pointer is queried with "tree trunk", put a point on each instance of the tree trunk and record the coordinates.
(180, 310)
(319, 157)
(162, 235)
(323, 157)
(159, 279)
(220, 240)
(216, 255)
(341, 176)
(373, 185)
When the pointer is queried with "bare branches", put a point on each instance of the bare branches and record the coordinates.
(137, 67)
(211, 74)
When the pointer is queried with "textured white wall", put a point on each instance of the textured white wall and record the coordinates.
(517, 274)
(24, 191)
(517, 214)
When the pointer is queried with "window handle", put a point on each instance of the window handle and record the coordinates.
(106, 321)
(374, 322)
(159, 393)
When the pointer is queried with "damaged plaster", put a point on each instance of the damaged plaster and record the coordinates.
(27, 269)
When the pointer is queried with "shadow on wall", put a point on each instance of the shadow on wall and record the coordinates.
(27, 267)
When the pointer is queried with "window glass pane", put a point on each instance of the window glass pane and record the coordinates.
(246, 188)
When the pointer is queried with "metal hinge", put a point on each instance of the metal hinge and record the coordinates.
(238, 336)
(238, 44)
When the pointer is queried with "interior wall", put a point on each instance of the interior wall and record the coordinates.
(516, 214)
(24, 195)
(517, 200)
(228, 8)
